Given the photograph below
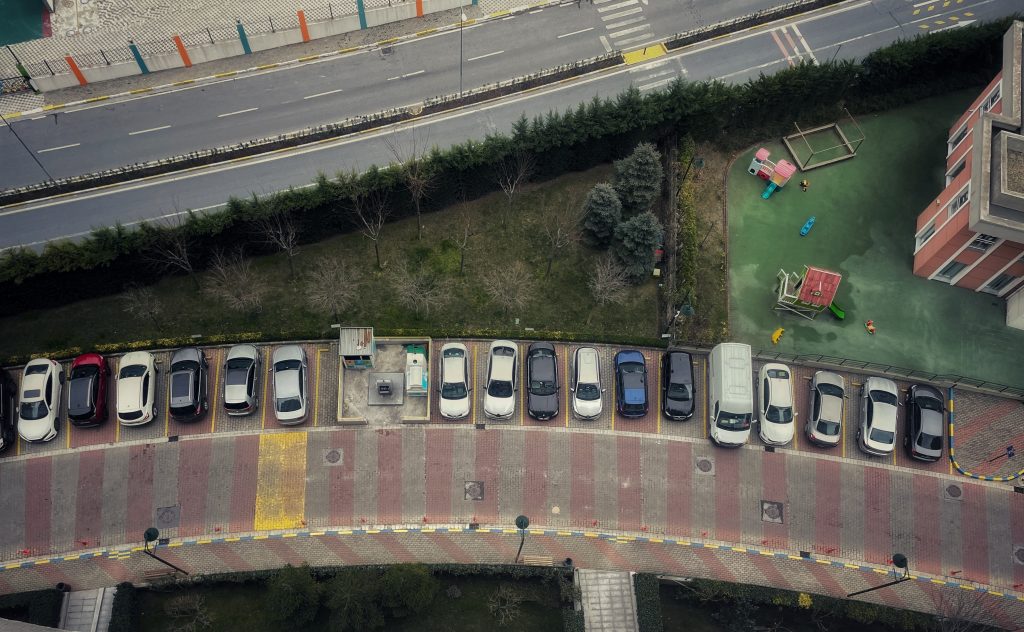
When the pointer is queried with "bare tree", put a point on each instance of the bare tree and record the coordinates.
(332, 286)
(510, 173)
(142, 302)
(463, 231)
(172, 252)
(279, 230)
(419, 289)
(560, 227)
(420, 180)
(373, 211)
(511, 286)
(608, 284)
(188, 613)
(232, 280)
(504, 603)
(962, 611)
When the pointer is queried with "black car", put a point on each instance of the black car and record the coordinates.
(542, 377)
(925, 421)
(677, 385)
(188, 387)
(8, 410)
(631, 383)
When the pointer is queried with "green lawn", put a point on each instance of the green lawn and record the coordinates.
(561, 302)
(866, 209)
(22, 20)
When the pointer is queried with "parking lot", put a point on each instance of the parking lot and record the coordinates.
(324, 410)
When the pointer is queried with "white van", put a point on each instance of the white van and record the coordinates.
(730, 394)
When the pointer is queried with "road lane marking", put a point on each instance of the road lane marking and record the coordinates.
(646, 36)
(498, 52)
(621, 14)
(617, 5)
(575, 33)
(782, 47)
(146, 131)
(321, 94)
(537, 11)
(792, 44)
(655, 84)
(804, 42)
(607, 46)
(43, 151)
(623, 23)
(635, 29)
(238, 112)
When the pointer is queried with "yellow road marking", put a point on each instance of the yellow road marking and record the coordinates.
(916, 11)
(316, 383)
(706, 421)
(657, 386)
(644, 54)
(113, 384)
(565, 378)
(474, 382)
(612, 402)
(281, 481)
(216, 387)
(796, 422)
(522, 388)
(266, 379)
(167, 402)
(842, 425)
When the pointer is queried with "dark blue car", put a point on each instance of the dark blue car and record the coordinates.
(630, 383)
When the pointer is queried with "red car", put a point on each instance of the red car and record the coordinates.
(87, 390)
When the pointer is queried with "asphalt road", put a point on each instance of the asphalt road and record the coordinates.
(850, 30)
(112, 135)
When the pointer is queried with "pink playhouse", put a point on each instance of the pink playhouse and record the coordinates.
(776, 173)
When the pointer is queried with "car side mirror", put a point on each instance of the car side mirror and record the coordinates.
(604, 390)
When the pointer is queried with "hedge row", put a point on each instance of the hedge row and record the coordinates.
(39, 607)
(592, 133)
(647, 590)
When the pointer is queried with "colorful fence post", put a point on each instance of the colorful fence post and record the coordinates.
(419, 8)
(241, 36)
(185, 59)
(74, 69)
(362, 13)
(138, 57)
(302, 25)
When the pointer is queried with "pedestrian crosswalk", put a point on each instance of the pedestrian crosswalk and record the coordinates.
(652, 76)
(794, 47)
(625, 24)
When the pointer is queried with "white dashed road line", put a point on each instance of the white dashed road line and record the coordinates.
(146, 131)
(574, 33)
(617, 5)
(622, 14)
(321, 94)
(238, 112)
(619, 25)
(497, 52)
(43, 151)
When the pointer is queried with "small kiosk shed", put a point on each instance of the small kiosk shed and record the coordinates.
(357, 347)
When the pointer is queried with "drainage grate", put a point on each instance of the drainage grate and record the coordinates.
(952, 491)
(771, 511)
(334, 456)
(168, 517)
(704, 465)
(387, 50)
(474, 490)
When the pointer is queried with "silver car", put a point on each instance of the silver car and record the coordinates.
(828, 399)
(879, 402)
(585, 383)
(502, 380)
(454, 401)
(242, 371)
(290, 385)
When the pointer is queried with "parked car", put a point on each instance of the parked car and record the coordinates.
(454, 401)
(542, 379)
(189, 387)
(8, 410)
(828, 399)
(40, 400)
(879, 401)
(585, 383)
(775, 426)
(502, 383)
(290, 385)
(242, 370)
(630, 383)
(730, 396)
(926, 419)
(87, 390)
(678, 393)
(136, 389)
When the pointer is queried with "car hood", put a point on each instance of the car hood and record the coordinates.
(454, 407)
(35, 429)
(729, 437)
(544, 404)
(677, 407)
(499, 406)
(587, 408)
(776, 433)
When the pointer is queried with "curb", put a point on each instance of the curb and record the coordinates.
(952, 458)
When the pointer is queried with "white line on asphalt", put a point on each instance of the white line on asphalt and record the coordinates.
(921, 4)
(321, 94)
(656, 84)
(497, 52)
(804, 42)
(617, 5)
(536, 11)
(635, 29)
(619, 25)
(145, 131)
(621, 14)
(511, 17)
(575, 33)
(607, 46)
(43, 151)
(36, 118)
(650, 66)
(413, 74)
(238, 112)
(633, 40)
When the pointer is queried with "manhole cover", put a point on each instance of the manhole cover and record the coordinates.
(386, 50)
(954, 492)
(705, 466)
(474, 490)
(333, 456)
(1018, 555)
(771, 511)
(167, 517)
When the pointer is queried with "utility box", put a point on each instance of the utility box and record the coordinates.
(357, 347)
(417, 378)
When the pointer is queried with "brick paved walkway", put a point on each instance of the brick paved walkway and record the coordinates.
(640, 484)
(985, 425)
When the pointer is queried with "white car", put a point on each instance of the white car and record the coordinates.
(40, 400)
(136, 389)
(878, 404)
(454, 401)
(775, 425)
(585, 383)
(290, 384)
(502, 373)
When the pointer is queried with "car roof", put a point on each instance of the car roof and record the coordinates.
(781, 388)
(502, 366)
(129, 394)
(628, 355)
(286, 383)
(454, 368)
(586, 366)
(681, 366)
(185, 354)
(288, 352)
(542, 367)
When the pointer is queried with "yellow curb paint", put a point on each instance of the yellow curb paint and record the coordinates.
(317, 533)
(140, 91)
(11, 566)
(233, 539)
(426, 32)
(53, 107)
(267, 66)
(794, 557)
(204, 541)
(175, 544)
(564, 532)
(261, 537)
(265, 377)
(316, 393)
(95, 99)
(183, 83)
(644, 54)
(591, 535)
(390, 40)
(216, 389)
(309, 57)
(656, 540)
(281, 481)
(348, 50)
(738, 549)
(231, 73)
(565, 378)
(499, 14)
(289, 535)
(67, 436)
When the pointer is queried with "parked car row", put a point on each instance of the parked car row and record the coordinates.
(36, 412)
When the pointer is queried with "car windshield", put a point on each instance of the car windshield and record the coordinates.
(454, 390)
(929, 403)
(929, 442)
(778, 374)
(34, 410)
(508, 352)
(499, 388)
(184, 365)
(289, 405)
(237, 371)
(288, 365)
(830, 389)
(36, 369)
(679, 392)
(83, 371)
(731, 421)
(883, 397)
(542, 387)
(882, 436)
(828, 428)
(779, 414)
(588, 392)
(132, 370)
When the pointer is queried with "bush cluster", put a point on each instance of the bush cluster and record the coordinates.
(124, 611)
(647, 589)
(592, 133)
(39, 607)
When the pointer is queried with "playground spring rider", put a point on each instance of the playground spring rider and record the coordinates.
(776, 173)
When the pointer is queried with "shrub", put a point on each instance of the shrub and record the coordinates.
(648, 602)
(408, 588)
(638, 179)
(293, 597)
(124, 611)
(352, 600)
(603, 212)
(635, 242)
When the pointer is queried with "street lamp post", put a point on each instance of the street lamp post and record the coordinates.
(152, 534)
(521, 523)
(899, 561)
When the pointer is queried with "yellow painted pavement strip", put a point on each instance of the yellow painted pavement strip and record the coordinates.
(281, 481)
(646, 53)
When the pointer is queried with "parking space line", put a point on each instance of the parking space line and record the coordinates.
(316, 395)
(266, 379)
(796, 413)
(612, 401)
(522, 389)
(474, 391)
(707, 395)
(216, 387)
(565, 378)
(117, 422)
(657, 386)
(842, 426)
(167, 404)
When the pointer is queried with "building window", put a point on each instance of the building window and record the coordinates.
(957, 170)
(982, 242)
(956, 140)
(992, 100)
(952, 269)
(925, 235)
(959, 201)
(996, 285)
